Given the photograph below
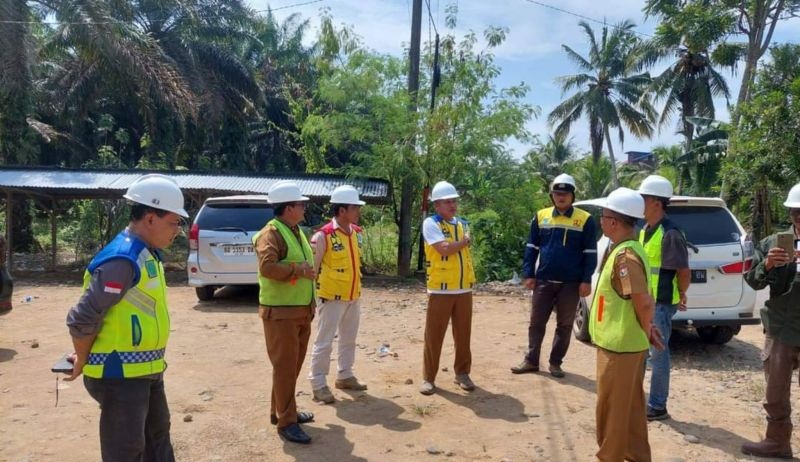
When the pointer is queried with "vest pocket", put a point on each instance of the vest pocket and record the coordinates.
(136, 330)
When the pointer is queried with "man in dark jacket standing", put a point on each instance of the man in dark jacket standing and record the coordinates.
(778, 269)
(563, 239)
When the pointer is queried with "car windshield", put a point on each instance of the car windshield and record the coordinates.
(705, 225)
(232, 217)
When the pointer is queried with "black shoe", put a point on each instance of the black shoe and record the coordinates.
(302, 417)
(556, 371)
(656, 414)
(294, 433)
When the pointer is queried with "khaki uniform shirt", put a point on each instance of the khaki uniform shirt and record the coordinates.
(629, 275)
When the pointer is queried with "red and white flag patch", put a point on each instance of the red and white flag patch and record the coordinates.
(113, 287)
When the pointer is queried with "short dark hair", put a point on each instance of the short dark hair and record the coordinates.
(630, 221)
(281, 208)
(336, 207)
(138, 211)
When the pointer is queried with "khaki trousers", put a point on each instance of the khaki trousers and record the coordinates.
(286, 331)
(620, 413)
(780, 360)
(441, 309)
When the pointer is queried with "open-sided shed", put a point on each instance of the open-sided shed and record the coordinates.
(48, 185)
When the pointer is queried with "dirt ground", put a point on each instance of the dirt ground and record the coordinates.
(218, 386)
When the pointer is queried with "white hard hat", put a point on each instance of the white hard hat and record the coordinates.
(285, 191)
(157, 191)
(564, 183)
(793, 199)
(443, 190)
(626, 201)
(347, 195)
(656, 185)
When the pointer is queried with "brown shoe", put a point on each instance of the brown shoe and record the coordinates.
(350, 383)
(776, 443)
(525, 367)
(555, 371)
(324, 395)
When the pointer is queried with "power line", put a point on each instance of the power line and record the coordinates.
(578, 15)
(294, 5)
(430, 17)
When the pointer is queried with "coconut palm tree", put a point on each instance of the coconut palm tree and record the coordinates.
(608, 92)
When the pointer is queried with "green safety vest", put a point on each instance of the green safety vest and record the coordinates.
(653, 250)
(613, 324)
(133, 337)
(297, 292)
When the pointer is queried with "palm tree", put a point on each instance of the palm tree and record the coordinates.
(550, 159)
(608, 91)
(594, 177)
(693, 33)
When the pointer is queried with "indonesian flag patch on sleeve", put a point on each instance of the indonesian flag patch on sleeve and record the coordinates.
(113, 287)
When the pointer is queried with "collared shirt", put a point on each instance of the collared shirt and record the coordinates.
(270, 250)
(629, 275)
(319, 243)
(564, 255)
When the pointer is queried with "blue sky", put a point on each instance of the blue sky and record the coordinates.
(531, 53)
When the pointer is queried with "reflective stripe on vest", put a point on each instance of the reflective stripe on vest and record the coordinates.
(133, 337)
(653, 250)
(453, 272)
(297, 292)
(340, 270)
(613, 324)
(546, 219)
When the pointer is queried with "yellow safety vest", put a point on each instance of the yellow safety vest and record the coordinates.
(297, 292)
(653, 249)
(613, 324)
(453, 272)
(133, 337)
(340, 270)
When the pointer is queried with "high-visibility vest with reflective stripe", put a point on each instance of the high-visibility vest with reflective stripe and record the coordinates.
(653, 249)
(296, 292)
(546, 220)
(133, 337)
(452, 272)
(613, 324)
(340, 270)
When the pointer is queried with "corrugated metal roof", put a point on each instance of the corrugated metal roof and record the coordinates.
(57, 182)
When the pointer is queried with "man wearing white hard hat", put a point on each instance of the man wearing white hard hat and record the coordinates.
(621, 326)
(286, 303)
(120, 326)
(563, 240)
(450, 277)
(666, 251)
(337, 260)
(777, 268)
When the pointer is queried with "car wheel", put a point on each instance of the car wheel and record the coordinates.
(717, 335)
(204, 293)
(581, 326)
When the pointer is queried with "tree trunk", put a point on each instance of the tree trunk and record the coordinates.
(614, 179)
(761, 220)
(404, 241)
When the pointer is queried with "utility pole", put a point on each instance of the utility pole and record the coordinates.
(407, 188)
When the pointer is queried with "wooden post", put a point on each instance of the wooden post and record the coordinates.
(9, 224)
(53, 238)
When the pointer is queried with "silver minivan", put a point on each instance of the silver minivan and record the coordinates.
(719, 300)
(221, 242)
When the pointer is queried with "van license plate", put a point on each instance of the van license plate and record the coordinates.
(699, 276)
(238, 250)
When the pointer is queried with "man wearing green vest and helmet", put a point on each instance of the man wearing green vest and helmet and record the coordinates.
(777, 268)
(286, 303)
(666, 252)
(621, 326)
(120, 326)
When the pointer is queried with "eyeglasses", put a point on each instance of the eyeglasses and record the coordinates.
(607, 217)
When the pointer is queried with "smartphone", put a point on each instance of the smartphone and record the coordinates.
(786, 242)
(63, 365)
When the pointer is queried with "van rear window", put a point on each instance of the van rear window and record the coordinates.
(705, 225)
(250, 217)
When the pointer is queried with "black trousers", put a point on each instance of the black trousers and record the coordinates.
(134, 419)
(548, 295)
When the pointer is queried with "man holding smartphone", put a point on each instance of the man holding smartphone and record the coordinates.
(773, 266)
(120, 326)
